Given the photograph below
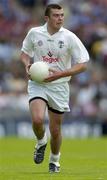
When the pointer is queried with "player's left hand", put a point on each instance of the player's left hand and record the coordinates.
(53, 75)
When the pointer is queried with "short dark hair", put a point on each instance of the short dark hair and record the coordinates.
(51, 6)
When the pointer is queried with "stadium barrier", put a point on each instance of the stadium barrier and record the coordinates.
(16, 123)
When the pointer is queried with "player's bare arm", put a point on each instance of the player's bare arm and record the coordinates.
(76, 69)
(26, 60)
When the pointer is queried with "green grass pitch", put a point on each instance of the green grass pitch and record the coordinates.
(81, 159)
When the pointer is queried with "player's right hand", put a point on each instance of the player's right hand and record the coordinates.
(27, 71)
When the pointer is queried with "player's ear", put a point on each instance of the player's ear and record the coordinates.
(46, 18)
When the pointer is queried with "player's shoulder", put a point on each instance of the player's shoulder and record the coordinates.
(68, 33)
(35, 29)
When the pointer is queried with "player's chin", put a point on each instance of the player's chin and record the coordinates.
(58, 26)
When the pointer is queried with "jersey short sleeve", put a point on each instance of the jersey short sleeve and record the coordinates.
(27, 46)
(78, 51)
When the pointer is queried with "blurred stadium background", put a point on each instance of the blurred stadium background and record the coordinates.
(88, 98)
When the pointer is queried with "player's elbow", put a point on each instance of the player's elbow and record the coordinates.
(22, 55)
(84, 66)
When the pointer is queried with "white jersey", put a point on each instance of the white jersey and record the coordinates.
(58, 50)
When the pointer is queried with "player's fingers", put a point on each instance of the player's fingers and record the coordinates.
(52, 70)
(29, 66)
(29, 76)
(27, 69)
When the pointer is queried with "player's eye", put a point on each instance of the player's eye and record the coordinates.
(58, 15)
(62, 15)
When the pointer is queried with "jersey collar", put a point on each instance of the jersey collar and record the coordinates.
(45, 28)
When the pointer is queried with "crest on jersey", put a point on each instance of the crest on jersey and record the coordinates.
(40, 43)
(61, 44)
(50, 54)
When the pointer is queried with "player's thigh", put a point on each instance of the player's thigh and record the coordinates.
(37, 109)
(55, 121)
(58, 97)
(36, 90)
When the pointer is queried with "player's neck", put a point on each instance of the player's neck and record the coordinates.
(51, 30)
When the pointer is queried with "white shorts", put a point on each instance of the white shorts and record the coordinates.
(55, 95)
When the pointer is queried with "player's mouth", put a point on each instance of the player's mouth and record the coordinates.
(60, 23)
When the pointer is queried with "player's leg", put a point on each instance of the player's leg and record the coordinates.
(37, 109)
(55, 140)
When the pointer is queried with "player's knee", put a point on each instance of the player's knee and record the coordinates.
(38, 120)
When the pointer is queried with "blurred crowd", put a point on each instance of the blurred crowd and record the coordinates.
(87, 19)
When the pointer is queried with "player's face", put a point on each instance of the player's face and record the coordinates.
(56, 18)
